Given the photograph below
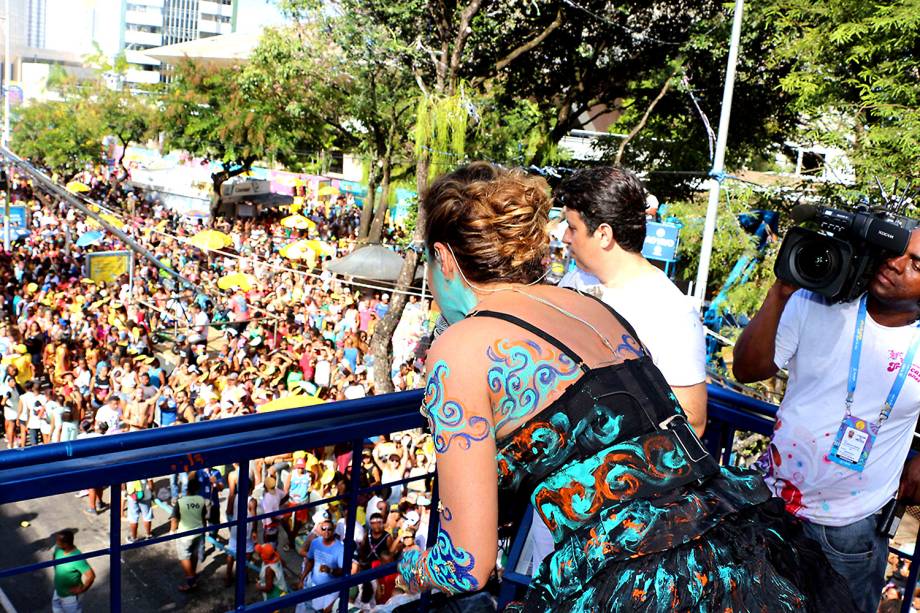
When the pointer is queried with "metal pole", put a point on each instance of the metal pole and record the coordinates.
(43, 180)
(7, 73)
(718, 164)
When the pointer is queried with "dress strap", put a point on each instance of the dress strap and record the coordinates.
(517, 321)
(628, 326)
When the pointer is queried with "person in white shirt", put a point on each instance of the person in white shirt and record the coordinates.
(846, 422)
(200, 322)
(605, 213)
(605, 216)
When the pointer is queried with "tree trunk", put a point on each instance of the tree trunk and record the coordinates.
(367, 211)
(124, 151)
(381, 342)
(221, 177)
(383, 207)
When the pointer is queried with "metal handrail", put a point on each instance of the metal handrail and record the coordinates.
(112, 460)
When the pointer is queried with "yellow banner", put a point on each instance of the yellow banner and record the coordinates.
(108, 266)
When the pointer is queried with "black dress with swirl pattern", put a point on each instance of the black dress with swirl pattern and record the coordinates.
(642, 518)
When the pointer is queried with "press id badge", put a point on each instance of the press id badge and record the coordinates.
(853, 443)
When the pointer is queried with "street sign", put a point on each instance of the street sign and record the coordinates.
(661, 240)
(18, 216)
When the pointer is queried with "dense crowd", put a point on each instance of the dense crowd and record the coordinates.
(84, 358)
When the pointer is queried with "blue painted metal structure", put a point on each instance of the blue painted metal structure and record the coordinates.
(112, 460)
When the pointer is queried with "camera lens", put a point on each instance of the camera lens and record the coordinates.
(815, 261)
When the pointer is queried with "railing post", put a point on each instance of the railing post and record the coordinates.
(357, 450)
(434, 524)
(241, 526)
(115, 548)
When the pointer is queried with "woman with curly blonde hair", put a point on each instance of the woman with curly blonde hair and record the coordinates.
(541, 395)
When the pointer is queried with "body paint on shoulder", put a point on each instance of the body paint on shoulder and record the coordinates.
(447, 417)
(522, 375)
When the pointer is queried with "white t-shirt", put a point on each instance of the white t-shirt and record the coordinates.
(664, 319)
(814, 341)
(322, 372)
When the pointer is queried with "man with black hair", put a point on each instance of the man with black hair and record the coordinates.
(189, 513)
(71, 579)
(605, 212)
(847, 419)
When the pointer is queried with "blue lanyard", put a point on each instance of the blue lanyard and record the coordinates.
(854, 365)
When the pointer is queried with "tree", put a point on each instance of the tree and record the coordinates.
(360, 84)
(236, 116)
(128, 117)
(856, 79)
(435, 37)
(63, 136)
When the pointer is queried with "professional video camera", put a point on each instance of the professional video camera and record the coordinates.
(838, 259)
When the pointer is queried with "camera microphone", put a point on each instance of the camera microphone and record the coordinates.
(803, 212)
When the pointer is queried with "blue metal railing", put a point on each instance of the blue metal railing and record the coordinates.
(113, 460)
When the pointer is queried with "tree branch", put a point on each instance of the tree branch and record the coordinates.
(463, 33)
(638, 127)
(532, 43)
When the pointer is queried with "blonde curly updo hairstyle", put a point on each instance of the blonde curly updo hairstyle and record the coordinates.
(494, 220)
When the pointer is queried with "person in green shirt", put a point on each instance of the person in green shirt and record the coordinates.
(71, 579)
(189, 513)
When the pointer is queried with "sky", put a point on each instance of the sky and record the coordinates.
(71, 24)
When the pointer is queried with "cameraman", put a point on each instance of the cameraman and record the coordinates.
(838, 452)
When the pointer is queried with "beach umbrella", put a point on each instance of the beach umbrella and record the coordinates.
(75, 187)
(237, 279)
(108, 218)
(320, 247)
(328, 190)
(298, 221)
(17, 234)
(90, 238)
(293, 401)
(298, 250)
(371, 262)
(211, 240)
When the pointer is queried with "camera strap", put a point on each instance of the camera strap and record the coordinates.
(898, 383)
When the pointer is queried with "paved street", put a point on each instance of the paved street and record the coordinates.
(149, 575)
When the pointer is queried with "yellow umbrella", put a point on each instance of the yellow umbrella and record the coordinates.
(298, 221)
(328, 190)
(211, 240)
(320, 247)
(289, 402)
(299, 250)
(108, 218)
(75, 187)
(237, 279)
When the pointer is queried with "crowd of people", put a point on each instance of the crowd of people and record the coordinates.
(145, 351)
(82, 358)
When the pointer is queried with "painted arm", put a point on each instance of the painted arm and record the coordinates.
(460, 417)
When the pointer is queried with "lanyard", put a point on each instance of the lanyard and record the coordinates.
(854, 366)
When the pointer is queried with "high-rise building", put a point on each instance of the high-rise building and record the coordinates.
(154, 23)
(35, 23)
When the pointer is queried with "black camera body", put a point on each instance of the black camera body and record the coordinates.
(838, 258)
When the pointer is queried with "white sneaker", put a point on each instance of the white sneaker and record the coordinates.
(82, 494)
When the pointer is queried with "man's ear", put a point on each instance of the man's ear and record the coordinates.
(604, 233)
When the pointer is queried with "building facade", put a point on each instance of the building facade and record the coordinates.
(153, 23)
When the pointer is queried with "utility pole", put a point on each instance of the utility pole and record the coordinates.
(718, 163)
(7, 73)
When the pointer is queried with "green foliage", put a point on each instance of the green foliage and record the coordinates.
(730, 243)
(64, 136)
(440, 130)
(856, 79)
(235, 116)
